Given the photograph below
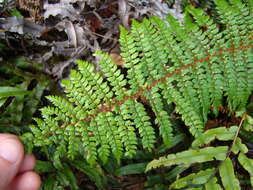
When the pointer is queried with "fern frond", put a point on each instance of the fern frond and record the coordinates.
(193, 66)
(211, 41)
(208, 178)
(235, 63)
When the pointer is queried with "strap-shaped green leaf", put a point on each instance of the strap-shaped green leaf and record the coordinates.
(228, 178)
(220, 133)
(239, 146)
(190, 156)
(2, 101)
(212, 184)
(199, 178)
(247, 163)
(7, 91)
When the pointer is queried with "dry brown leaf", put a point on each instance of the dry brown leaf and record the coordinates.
(21, 26)
(117, 59)
(61, 9)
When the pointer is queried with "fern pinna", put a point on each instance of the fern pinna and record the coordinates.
(197, 65)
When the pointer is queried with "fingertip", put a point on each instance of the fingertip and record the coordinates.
(11, 148)
(26, 181)
(11, 155)
(28, 163)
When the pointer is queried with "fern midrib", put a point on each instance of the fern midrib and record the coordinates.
(106, 108)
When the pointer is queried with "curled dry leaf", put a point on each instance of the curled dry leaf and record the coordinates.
(124, 12)
(61, 9)
(68, 1)
(21, 26)
(70, 31)
(155, 7)
(75, 33)
(117, 59)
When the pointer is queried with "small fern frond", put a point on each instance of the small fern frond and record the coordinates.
(208, 178)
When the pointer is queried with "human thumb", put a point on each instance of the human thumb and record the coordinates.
(11, 155)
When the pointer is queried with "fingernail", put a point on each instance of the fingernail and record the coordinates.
(10, 150)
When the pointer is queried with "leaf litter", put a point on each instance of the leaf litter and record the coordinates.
(56, 32)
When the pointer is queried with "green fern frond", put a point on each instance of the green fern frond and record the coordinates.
(193, 66)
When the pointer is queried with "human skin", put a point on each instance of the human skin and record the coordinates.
(16, 167)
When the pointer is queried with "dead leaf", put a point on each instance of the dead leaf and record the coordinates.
(61, 9)
(75, 33)
(21, 26)
(124, 9)
(117, 59)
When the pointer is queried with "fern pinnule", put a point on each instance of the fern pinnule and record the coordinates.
(190, 156)
(202, 176)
